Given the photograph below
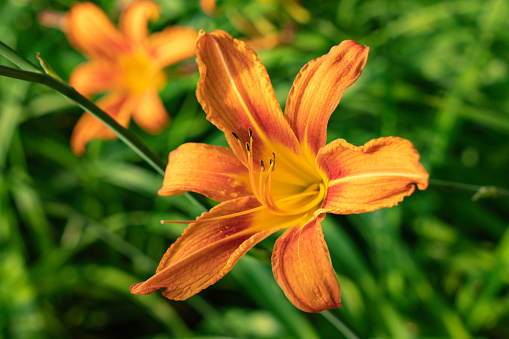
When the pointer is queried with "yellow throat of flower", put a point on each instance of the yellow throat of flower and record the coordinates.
(293, 187)
(138, 73)
(299, 187)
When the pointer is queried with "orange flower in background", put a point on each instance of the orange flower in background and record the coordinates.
(208, 6)
(126, 63)
(278, 173)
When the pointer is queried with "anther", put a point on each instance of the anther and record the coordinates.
(247, 147)
(274, 157)
(236, 136)
(250, 134)
(263, 167)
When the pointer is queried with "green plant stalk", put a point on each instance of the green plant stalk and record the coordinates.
(16, 59)
(32, 73)
(125, 135)
(480, 191)
(339, 325)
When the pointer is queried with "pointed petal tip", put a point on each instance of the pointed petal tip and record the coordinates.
(318, 89)
(357, 51)
(331, 305)
(140, 289)
(202, 34)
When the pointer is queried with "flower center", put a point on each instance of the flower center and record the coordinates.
(290, 202)
(281, 195)
(138, 73)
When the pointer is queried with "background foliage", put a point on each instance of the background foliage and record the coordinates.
(75, 233)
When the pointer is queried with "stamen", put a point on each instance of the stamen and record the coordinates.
(261, 191)
(251, 170)
(241, 143)
(271, 204)
(239, 140)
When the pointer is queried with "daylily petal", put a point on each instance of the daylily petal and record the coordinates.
(206, 251)
(134, 20)
(365, 178)
(92, 78)
(150, 113)
(318, 89)
(208, 6)
(235, 91)
(302, 267)
(213, 171)
(90, 31)
(172, 45)
(89, 127)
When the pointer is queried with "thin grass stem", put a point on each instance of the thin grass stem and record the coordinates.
(480, 191)
(339, 325)
(125, 135)
(17, 59)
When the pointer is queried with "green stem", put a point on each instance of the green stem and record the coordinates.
(339, 325)
(125, 135)
(32, 73)
(16, 59)
(480, 192)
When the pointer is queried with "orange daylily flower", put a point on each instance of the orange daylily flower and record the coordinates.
(127, 63)
(278, 173)
(208, 6)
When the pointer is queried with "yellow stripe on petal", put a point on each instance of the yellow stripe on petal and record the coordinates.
(365, 178)
(235, 92)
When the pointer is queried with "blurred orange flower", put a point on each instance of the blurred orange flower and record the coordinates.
(278, 173)
(125, 63)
